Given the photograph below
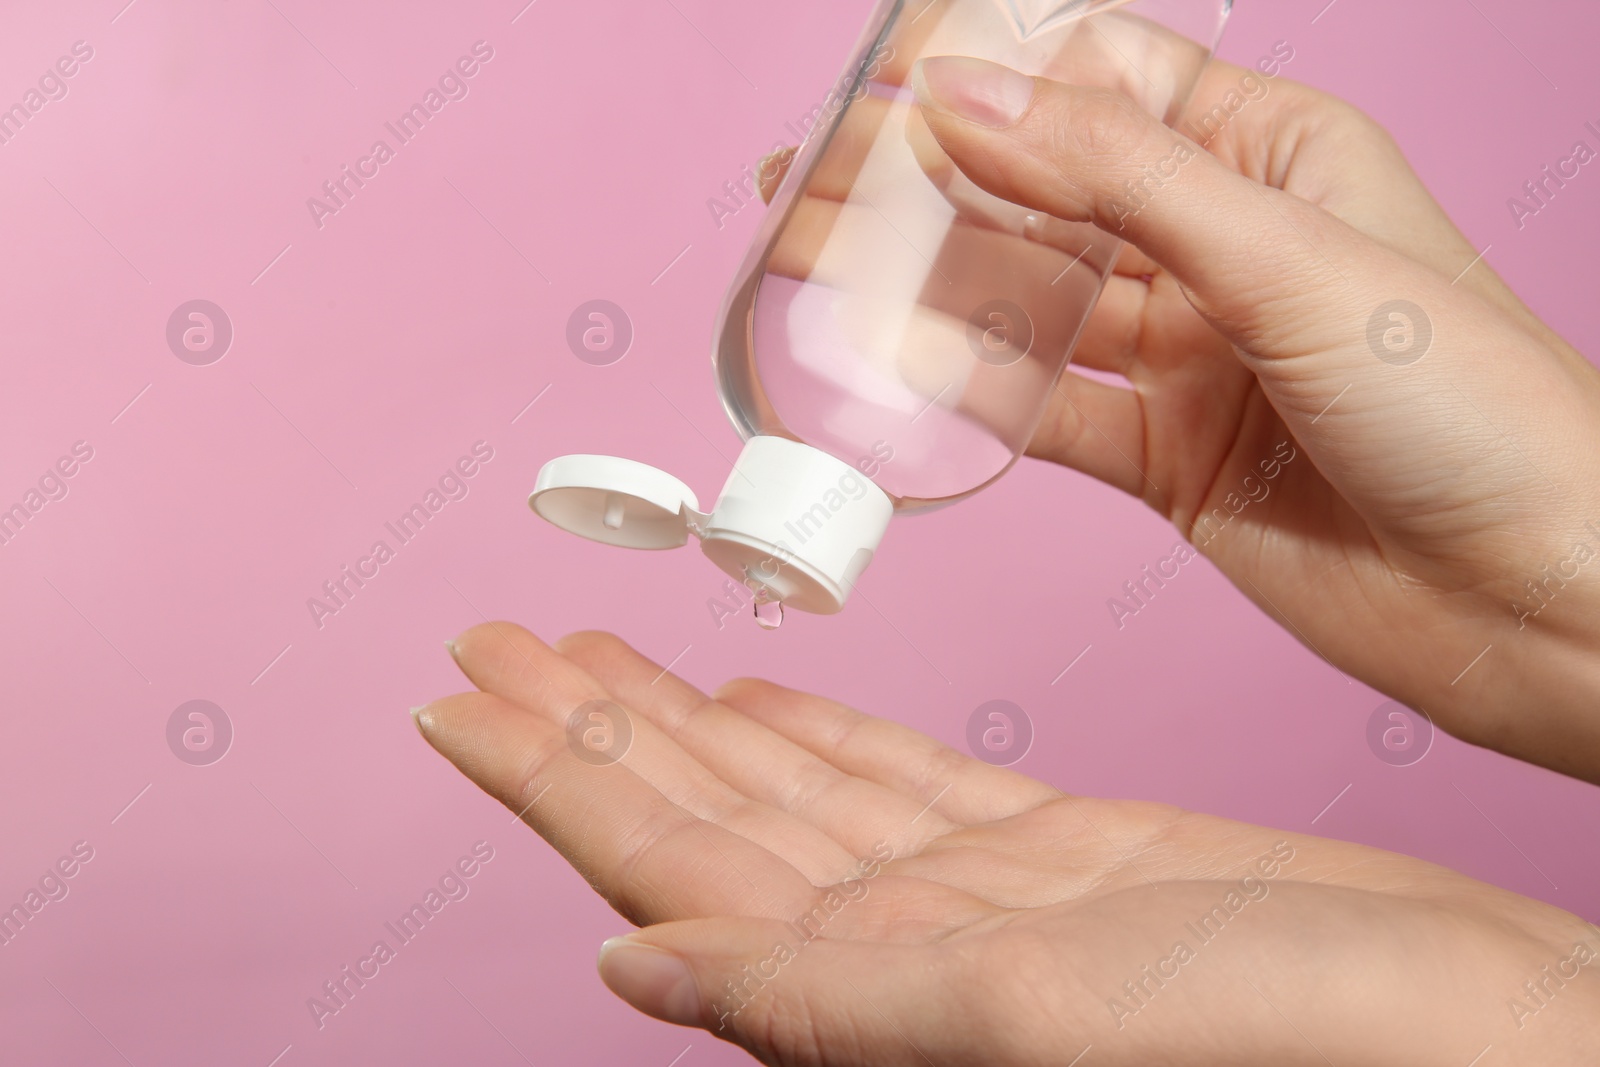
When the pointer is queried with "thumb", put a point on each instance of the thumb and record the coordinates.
(789, 996)
(1273, 273)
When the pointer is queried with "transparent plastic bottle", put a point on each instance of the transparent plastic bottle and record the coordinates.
(888, 299)
(892, 340)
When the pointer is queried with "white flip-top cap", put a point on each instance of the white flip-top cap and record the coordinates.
(792, 520)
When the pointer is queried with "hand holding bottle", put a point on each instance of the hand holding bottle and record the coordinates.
(1328, 391)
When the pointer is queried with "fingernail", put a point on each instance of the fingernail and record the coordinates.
(450, 647)
(651, 979)
(973, 89)
(416, 716)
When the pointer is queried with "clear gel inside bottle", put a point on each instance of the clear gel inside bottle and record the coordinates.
(893, 314)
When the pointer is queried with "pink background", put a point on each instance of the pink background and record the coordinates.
(377, 349)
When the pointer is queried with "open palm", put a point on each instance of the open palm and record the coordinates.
(823, 887)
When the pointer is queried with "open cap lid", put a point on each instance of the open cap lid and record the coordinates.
(793, 524)
(615, 501)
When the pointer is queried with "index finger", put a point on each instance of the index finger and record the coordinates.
(650, 859)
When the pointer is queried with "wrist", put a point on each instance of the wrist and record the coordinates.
(1527, 688)
(1513, 662)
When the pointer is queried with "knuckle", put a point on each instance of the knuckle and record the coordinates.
(1106, 125)
(641, 847)
(1093, 144)
(944, 766)
(1343, 121)
(803, 791)
(681, 717)
(532, 767)
(1355, 122)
